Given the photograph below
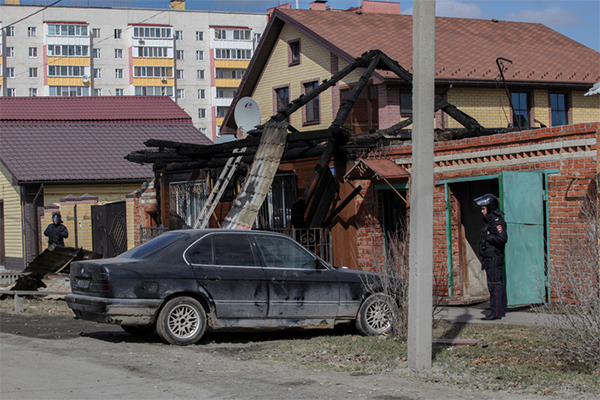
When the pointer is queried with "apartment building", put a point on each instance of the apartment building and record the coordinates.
(196, 57)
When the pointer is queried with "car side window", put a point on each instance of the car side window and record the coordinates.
(233, 250)
(282, 253)
(201, 252)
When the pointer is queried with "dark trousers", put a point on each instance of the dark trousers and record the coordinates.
(493, 272)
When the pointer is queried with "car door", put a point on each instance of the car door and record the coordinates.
(226, 267)
(299, 286)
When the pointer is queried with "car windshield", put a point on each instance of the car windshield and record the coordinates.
(154, 247)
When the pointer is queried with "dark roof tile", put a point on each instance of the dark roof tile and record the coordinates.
(102, 109)
(83, 152)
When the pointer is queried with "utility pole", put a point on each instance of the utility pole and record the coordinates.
(420, 286)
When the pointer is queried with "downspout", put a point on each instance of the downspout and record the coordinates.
(449, 240)
(548, 238)
(37, 221)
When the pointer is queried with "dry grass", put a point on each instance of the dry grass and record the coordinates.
(38, 306)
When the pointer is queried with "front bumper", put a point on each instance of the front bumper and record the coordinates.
(114, 311)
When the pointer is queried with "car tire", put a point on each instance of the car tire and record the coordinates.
(182, 321)
(139, 330)
(377, 315)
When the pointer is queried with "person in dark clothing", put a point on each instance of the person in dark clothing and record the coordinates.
(56, 231)
(491, 249)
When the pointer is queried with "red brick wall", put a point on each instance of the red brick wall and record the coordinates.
(572, 150)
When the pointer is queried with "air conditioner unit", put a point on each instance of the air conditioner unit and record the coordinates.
(142, 41)
(85, 78)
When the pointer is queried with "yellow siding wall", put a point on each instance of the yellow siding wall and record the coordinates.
(489, 107)
(106, 193)
(130, 211)
(315, 64)
(585, 108)
(541, 108)
(12, 215)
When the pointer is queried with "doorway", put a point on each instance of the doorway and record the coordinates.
(523, 199)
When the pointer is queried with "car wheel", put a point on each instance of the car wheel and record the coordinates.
(138, 330)
(181, 321)
(377, 315)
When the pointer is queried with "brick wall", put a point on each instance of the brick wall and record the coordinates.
(571, 150)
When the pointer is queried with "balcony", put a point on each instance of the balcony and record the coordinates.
(223, 101)
(230, 83)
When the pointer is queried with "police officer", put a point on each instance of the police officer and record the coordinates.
(56, 231)
(491, 249)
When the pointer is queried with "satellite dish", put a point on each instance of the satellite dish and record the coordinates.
(85, 78)
(247, 114)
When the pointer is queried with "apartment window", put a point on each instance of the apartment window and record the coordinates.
(119, 73)
(33, 52)
(199, 36)
(312, 108)
(67, 70)
(118, 53)
(97, 92)
(179, 54)
(69, 90)
(10, 52)
(119, 92)
(257, 37)
(221, 34)
(118, 33)
(11, 92)
(406, 104)
(202, 113)
(178, 35)
(294, 52)
(181, 93)
(153, 72)
(33, 72)
(31, 31)
(69, 30)
(282, 98)
(96, 33)
(10, 31)
(220, 93)
(242, 34)
(233, 54)
(179, 74)
(68, 50)
(151, 52)
(203, 131)
(200, 74)
(199, 55)
(151, 32)
(96, 53)
(521, 107)
(221, 112)
(32, 92)
(559, 109)
(154, 91)
(98, 73)
(201, 93)
(10, 72)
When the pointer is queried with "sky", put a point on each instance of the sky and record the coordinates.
(576, 19)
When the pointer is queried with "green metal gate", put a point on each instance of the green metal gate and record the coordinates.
(523, 196)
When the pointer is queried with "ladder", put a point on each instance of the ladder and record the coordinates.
(217, 191)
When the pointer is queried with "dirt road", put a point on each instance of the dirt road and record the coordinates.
(47, 357)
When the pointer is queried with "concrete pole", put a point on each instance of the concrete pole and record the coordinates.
(420, 287)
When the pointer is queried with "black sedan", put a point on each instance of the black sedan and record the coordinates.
(186, 280)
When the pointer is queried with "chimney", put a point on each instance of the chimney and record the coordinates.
(177, 4)
(320, 5)
(379, 7)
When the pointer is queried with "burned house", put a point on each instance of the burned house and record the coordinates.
(345, 174)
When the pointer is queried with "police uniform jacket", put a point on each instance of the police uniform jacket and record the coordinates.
(493, 235)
